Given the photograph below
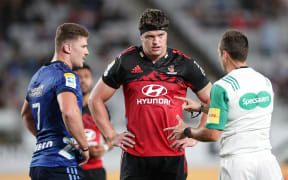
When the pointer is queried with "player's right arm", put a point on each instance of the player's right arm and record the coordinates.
(27, 116)
(73, 121)
(99, 95)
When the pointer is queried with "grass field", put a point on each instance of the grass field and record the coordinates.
(194, 173)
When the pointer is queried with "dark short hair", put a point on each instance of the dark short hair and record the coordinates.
(153, 19)
(236, 44)
(69, 31)
(85, 66)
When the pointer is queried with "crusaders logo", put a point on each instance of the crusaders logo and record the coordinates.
(171, 68)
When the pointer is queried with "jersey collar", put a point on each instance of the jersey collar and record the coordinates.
(142, 55)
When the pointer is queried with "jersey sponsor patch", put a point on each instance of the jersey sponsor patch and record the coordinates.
(36, 92)
(213, 116)
(70, 80)
(201, 69)
(250, 101)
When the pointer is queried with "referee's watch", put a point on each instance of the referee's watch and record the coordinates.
(187, 132)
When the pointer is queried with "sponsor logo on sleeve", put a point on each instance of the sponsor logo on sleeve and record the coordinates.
(70, 80)
(201, 69)
(213, 116)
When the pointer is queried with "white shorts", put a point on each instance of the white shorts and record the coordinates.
(251, 166)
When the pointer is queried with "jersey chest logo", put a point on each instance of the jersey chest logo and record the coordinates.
(153, 93)
(137, 69)
(90, 134)
(154, 90)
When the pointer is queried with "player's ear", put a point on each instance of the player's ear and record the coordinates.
(67, 48)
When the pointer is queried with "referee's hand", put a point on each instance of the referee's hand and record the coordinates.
(178, 130)
(189, 104)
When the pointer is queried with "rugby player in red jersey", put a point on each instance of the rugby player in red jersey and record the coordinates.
(151, 75)
(93, 169)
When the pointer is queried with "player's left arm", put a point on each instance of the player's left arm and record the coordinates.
(27, 116)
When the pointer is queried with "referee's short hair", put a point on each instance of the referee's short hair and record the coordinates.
(236, 44)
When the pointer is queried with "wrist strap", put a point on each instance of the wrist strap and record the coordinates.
(199, 112)
(187, 132)
(85, 149)
(106, 147)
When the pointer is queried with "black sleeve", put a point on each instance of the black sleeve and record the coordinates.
(194, 76)
(114, 74)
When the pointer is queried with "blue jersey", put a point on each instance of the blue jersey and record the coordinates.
(52, 148)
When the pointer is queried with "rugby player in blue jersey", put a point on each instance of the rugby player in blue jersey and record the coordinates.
(52, 109)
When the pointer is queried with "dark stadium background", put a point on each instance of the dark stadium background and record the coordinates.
(27, 29)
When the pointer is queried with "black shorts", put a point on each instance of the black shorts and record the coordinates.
(153, 168)
(56, 173)
(93, 174)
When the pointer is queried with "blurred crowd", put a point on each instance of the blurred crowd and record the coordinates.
(238, 14)
(27, 29)
(266, 19)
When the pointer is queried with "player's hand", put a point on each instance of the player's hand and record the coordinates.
(123, 140)
(85, 157)
(183, 143)
(84, 154)
(189, 104)
(177, 131)
(96, 151)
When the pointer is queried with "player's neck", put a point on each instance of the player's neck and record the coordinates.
(85, 99)
(63, 58)
(154, 59)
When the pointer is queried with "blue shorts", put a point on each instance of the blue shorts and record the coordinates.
(56, 173)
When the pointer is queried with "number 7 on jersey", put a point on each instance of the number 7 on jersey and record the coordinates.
(37, 105)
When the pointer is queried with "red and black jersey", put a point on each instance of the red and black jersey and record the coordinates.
(149, 90)
(93, 136)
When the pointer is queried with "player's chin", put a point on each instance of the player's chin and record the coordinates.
(81, 64)
(156, 53)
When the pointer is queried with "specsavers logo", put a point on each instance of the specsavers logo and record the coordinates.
(153, 91)
(251, 100)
